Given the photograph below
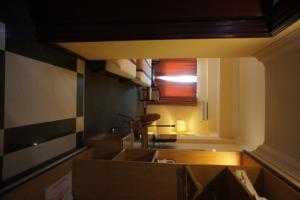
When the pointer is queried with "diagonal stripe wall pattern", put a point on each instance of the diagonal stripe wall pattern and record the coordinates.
(41, 106)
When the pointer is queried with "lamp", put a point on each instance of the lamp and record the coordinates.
(180, 126)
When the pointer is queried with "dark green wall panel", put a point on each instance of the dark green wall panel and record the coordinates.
(105, 98)
(25, 136)
(21, 37)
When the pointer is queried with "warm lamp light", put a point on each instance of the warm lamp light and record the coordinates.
(180, 126)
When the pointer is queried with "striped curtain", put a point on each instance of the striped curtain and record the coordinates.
(176, 92)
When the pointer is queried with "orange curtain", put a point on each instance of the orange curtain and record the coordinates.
(174, 92)
(176, 67)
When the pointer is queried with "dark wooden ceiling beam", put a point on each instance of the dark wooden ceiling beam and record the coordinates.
(163, 30)
(60, 21)
(284, 13)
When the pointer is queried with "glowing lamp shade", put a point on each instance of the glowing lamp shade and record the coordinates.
(180, 126)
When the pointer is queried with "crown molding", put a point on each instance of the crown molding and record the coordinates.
(289, 42)
(284, 164)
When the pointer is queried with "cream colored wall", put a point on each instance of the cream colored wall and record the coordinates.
(251, 103)
(193, 114)
(281, 146)
(228, 121)
(223, 98)
(242, 101)
(236, 103)
(184, 48)
(171, 113)
(213, 94)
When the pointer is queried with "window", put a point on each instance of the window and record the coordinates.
(177, 81)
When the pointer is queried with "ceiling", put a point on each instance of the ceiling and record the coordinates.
(163, 28)
(187, 48)
(111, 20)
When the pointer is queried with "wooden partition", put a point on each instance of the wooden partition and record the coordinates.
(145, 155)
(220, 182)
(252, 172)
(136, 174)
(198, 177)
(100, 179)
(222, 185)
(272, 187)
(105, 146)
(207, 182)
(201, 157)
(247, 161)
(101, 173)
(35, 189)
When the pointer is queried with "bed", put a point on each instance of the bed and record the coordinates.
(143, 72)
(125, 68)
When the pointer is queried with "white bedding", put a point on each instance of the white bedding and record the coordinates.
(122, 67)
(143, 72)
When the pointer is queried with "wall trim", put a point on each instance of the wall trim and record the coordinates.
(280, 162)
(288, 42)
(280, 159)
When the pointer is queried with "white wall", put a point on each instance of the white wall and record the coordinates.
(251, 103)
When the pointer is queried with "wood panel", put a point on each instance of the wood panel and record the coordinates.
(132, 20)
(282, 15)
(98, 179)
(201, 157)
(203, 176)
(224, 186)
(145, 155)
(234, 190)
(252, 172)
(105, 146)
(36, 187)
(272, 187)
(135, 10)
(247, 161)
(198, 177)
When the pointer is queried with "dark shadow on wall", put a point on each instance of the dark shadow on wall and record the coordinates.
(105, 98)
(21, 37)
